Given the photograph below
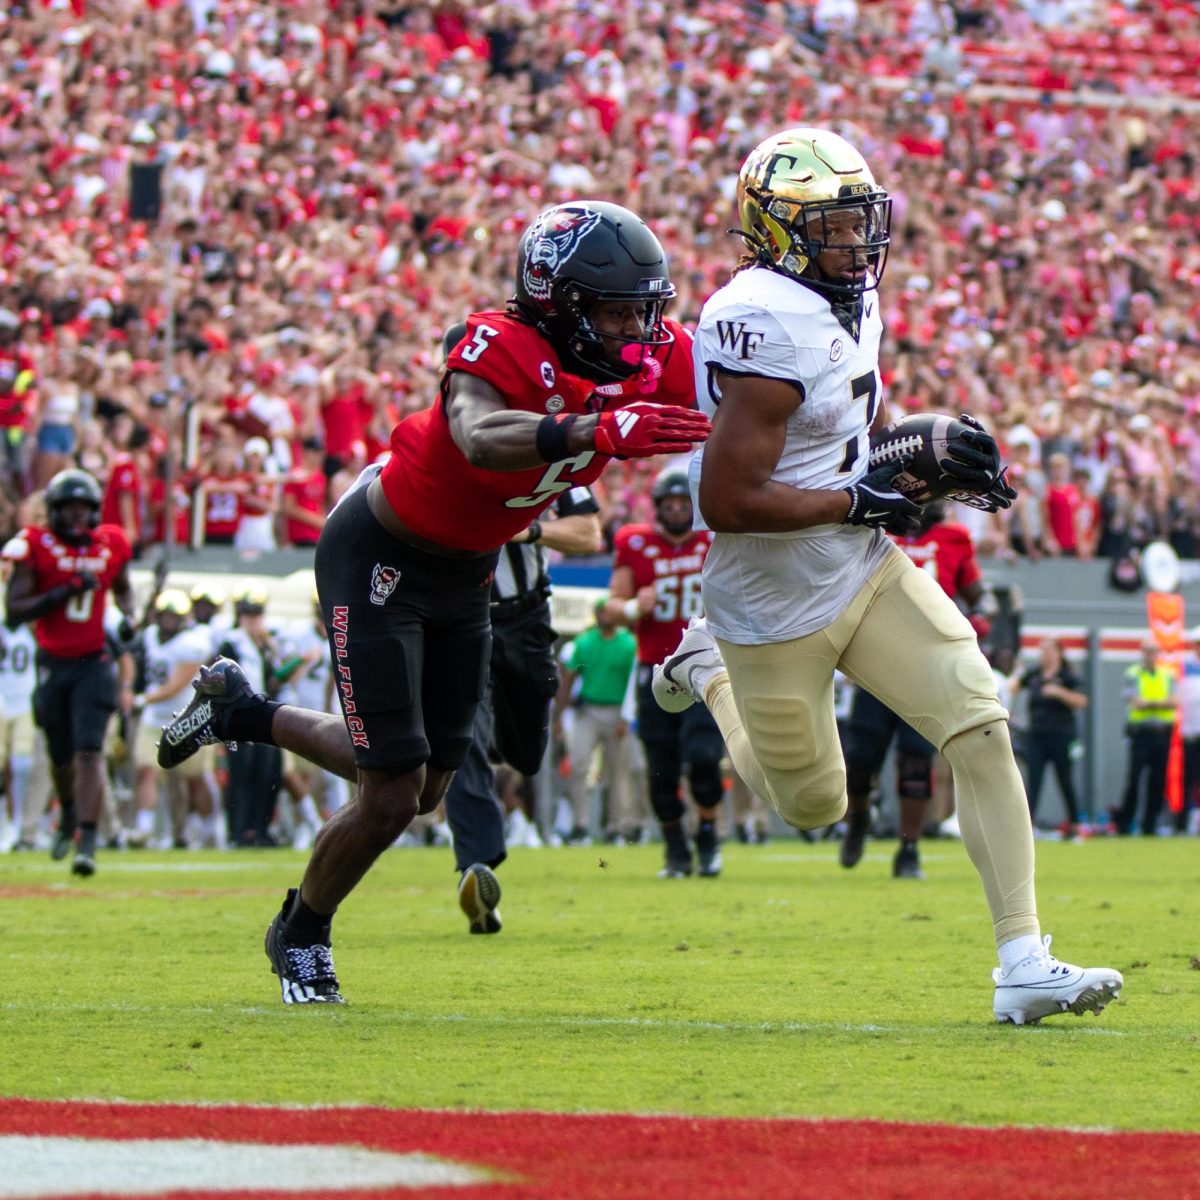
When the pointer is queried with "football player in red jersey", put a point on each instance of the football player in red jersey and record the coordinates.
(62, 574)
(944, 550)
(655, 589)
(405, 561)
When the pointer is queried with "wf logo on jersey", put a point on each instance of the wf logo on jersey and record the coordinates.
(552, 241)
(383, 583)
(736, 337)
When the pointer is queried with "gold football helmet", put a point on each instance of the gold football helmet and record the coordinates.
(791, 190)
(173, 601)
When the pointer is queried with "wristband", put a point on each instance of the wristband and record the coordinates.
(551, 439)
(632, 612)
(534, 532)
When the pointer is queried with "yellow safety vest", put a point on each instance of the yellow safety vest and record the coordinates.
(1152, 686)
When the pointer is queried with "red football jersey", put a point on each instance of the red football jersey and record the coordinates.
(947, 553)
(428, 481)
(673, 570)
(77, 627)
(668, 376)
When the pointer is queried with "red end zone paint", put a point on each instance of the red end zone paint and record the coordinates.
(550, 1156)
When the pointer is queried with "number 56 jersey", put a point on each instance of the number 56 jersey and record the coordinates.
(673, 570)
(75, 628)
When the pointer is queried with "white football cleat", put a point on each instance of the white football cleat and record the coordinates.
(675, 685)
(1041, 986)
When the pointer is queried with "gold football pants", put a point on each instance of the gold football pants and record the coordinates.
(905, 641)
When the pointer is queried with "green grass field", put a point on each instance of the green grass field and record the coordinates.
(787, 987)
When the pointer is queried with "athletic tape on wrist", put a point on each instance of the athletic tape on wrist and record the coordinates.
(551, 440)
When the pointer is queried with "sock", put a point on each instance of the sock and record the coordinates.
(145, 820)
(308, 811)
(303, 919)
(87, 838)
(676, 842)
(253, 723)
(1018, 949)
(706, 836)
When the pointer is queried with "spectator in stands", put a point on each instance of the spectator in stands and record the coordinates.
(304, 502)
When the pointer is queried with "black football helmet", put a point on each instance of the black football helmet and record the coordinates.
(672, 482)
(582, 253)
(73, 486)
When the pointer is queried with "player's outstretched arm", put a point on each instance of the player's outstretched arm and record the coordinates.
(497, 438)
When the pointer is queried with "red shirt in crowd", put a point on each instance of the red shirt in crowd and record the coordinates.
(77, 627)
(17, 379)
(673, 570)
(124, 479)
(222, 506)
(1062, 506)
(156, 501)
(345, 418)
(309, 492)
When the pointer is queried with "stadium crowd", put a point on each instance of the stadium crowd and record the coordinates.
(342, 181)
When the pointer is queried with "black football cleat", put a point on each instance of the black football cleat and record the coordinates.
(221, 689)
(63, 843)
(478, 896)
(708, 854)
(907, 863)
(83, 865)
(306, 974)
(858, 825)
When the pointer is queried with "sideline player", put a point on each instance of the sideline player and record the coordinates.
(655, 588)
(942, 549)
(801, 578)
(171, 651)
(405, 562)
(62, 574)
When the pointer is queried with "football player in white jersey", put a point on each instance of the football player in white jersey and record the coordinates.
(305, 660)
(173, 651)
(801, 578)
(19, 739)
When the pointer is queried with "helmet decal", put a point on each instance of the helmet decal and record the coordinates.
(552, 241)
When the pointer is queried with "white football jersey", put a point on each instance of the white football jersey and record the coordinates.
(773, 587)
(311, 690)
(187, 646)
(18, 675)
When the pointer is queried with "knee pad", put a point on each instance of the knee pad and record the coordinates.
(914, 776)
(807, 782)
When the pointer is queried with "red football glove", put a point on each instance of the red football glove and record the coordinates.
(642, 430)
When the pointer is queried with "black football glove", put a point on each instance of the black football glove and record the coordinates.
(875, 502)
(974, 464)
(85, 581)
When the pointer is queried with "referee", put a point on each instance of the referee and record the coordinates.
(513, 718)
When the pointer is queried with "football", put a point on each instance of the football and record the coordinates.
(923, 436)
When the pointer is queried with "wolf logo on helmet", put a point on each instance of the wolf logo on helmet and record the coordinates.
(551, 241)
(578, 255)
